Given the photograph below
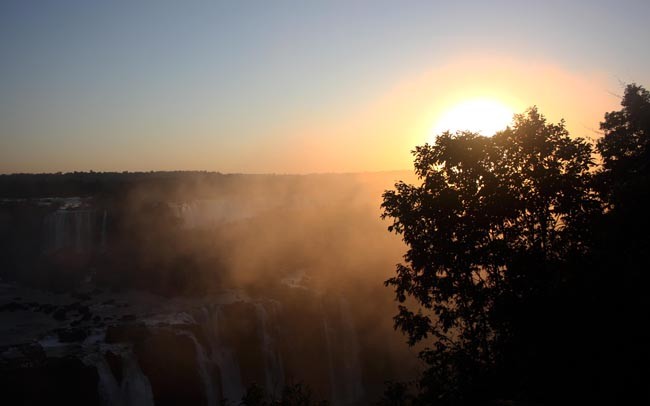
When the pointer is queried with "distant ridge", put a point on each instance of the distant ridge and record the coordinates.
(27, 185)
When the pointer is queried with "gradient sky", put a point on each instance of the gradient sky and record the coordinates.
(301, 86)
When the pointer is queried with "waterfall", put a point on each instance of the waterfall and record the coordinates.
(103, 235)
(55, 228)
(231, 383)
(189, 215)
(350, 352)
(330, 358)
(204, 364)
(107, 386)
(206, 213)
(222, 357)
(134, 390)
(83, 229)
(343, 356)
(69, 229)
(273, 368)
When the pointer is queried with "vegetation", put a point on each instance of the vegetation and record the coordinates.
(292, 395)
(527, 262)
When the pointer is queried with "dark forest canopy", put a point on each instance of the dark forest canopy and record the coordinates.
(197, 183)
(527, 266)
(91, 183)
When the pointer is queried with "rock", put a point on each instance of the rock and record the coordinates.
(12, 307)
(128, 317)
(169, 361)
(70, 335)
(60, 314)
(115, 364)
(127, 333)
(21, 356)
(46, 308)
(48, 381)
(81, 296)
(167, 358)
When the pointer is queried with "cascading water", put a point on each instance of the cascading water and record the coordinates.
(222, 357)
(353, 385)
(56, 230)
(273, 368)
(204, 364)
(211, 212)
(69, 229)
(107, 386)
(343, 356)
(83, 229)
(134, 390)
(330, 358)
(103, 241)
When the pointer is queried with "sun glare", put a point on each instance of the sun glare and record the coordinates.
(484, 116)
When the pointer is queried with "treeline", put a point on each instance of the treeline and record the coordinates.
(72, 184)
(166, 184)
(526, 280)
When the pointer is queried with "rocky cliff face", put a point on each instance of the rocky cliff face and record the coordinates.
(141, 349)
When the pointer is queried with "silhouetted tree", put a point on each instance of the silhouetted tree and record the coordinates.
(292, 395)
(625, 151)
(396, 394)
(491, 231)
(255, 396)
(620, 275)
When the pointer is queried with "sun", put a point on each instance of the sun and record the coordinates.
(484, 116)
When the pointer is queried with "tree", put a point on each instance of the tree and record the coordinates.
(625, 149)
(620, 274)
(297, 394)
(491, 230)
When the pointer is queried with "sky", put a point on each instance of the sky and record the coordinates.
(294, 86)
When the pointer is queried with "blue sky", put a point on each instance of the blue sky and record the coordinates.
(143, 85)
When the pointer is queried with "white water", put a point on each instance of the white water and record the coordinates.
(208, 213)
(273, 368)
(204, 365)
(330, 358)
(69, 229)
(343, 356)
(231, 382)
(351, 373)
(134, 390)
(103, 235)
(222, 357)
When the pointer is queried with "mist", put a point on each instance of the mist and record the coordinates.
(308, 251)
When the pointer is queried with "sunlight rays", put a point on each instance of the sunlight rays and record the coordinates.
(484, 116)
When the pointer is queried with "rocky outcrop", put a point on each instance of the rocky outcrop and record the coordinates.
(167, 357)
(194, 351)
(28, 377)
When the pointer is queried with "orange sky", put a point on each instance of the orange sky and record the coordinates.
(295, 87)
(378, 135)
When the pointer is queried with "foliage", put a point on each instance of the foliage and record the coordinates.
(624, 148)
(396, 394)
(620, 278)
(491, 230)
(292, 395)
